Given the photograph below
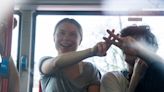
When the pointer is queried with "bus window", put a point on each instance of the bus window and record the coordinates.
(14, 46)
(94, 28)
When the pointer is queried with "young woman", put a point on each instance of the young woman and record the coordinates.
(67, 72)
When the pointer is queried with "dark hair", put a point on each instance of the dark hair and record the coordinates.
(142, 32)
(72, 21)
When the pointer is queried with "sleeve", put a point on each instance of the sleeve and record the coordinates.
(90, 75)
(96, 76)
(41, 62)
(109, 83)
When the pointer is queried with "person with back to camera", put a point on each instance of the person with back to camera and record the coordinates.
(67, 72)
(145, 71)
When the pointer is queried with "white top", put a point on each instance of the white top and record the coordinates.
(114, 82)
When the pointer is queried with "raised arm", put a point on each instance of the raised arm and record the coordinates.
(147, 55)
(64, 60)
(138, 49)
(138, 72)
(51, 65)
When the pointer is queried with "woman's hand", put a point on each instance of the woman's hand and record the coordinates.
(127, 44)
(111, 38)
(100, 49)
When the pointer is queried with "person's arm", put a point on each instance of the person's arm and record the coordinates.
(138, 72)
(13, 77)
(133, 83)
(147, 55)
(140, 50)
(64, 60)
(128, 42)
(70, 58)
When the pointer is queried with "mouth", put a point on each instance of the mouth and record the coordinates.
(66, 45)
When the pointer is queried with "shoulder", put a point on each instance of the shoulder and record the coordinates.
(89, 65)
(42, 60)
(45, 58)
(111, 75)
(90, 68)
(110, 82)
(91, 73)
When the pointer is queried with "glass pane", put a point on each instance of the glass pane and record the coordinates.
(94, 28)
(14, 44)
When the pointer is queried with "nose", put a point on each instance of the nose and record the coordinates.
(67, 37)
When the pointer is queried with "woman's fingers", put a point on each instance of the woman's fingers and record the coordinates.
(112, 38)
(123, 43)
(112, 35)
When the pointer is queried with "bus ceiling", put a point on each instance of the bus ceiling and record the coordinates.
(117, 7)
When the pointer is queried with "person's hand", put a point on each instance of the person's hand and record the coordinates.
(100, 49)
(127, 44)
(111, 38)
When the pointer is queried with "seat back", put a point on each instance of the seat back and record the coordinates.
(40, 87)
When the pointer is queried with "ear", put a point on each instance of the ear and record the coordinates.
(80, 41)
(54, 38)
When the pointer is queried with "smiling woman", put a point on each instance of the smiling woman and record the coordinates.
(67, 72)
(67, 36)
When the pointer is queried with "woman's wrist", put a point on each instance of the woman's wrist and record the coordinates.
(91, 52)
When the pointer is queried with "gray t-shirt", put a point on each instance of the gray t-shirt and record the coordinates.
(59, 82)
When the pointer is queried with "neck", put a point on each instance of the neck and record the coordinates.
(130, 69)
